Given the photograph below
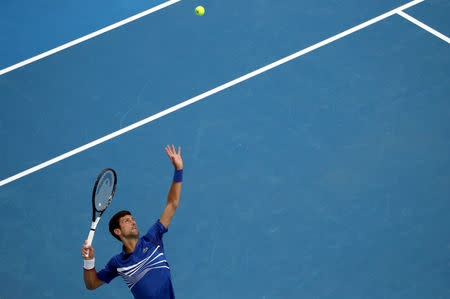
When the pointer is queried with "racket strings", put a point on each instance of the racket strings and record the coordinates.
(104, 191)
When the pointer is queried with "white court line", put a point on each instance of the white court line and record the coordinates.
(208, 93)
(422, 25)
(89, 36)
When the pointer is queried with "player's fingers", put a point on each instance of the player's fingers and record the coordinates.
(173, 148)
(179, 150)
(168, 151)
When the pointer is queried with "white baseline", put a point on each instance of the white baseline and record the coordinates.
(208, 93)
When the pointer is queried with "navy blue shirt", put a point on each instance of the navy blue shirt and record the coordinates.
(145, 270)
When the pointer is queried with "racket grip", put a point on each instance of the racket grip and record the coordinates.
(91, 234)
(89, 240)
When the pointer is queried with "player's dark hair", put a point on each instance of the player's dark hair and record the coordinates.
(114, 223)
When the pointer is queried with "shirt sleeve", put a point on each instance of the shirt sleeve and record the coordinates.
(155, 233)
(109, 272)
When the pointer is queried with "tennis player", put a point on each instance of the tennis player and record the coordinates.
(142, 262)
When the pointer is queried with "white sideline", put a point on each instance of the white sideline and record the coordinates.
(89, 36)
(208, 93)
(424, 26)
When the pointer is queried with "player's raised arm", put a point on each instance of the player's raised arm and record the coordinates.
(173, 198)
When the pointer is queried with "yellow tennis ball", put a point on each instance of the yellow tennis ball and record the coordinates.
(200, 10)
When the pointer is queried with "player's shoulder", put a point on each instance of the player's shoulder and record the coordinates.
(155, 231)
(114, 259)
(160, 225)
(157, 225)
(112, 264)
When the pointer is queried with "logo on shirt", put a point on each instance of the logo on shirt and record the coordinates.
(145, 250)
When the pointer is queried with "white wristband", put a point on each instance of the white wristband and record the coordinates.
(89, 264)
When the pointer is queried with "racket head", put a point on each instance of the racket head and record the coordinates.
(103, 192)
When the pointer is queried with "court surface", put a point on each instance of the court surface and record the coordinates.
(327, 176)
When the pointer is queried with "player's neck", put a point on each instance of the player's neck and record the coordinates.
(129, 244)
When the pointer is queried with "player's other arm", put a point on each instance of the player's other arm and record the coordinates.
(91, 279)
(173, 199)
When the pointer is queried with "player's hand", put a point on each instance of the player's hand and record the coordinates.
(85, 250)
(174, 157)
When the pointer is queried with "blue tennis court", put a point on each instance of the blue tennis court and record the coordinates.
(326, 175)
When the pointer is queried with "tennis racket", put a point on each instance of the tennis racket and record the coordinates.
(103, 192)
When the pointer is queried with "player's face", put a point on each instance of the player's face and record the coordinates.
(128, 227)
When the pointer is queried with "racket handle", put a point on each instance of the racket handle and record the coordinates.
(90, 238)
(91, 234)
(89, 241)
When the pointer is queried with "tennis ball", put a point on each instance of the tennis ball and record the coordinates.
(200, 10)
